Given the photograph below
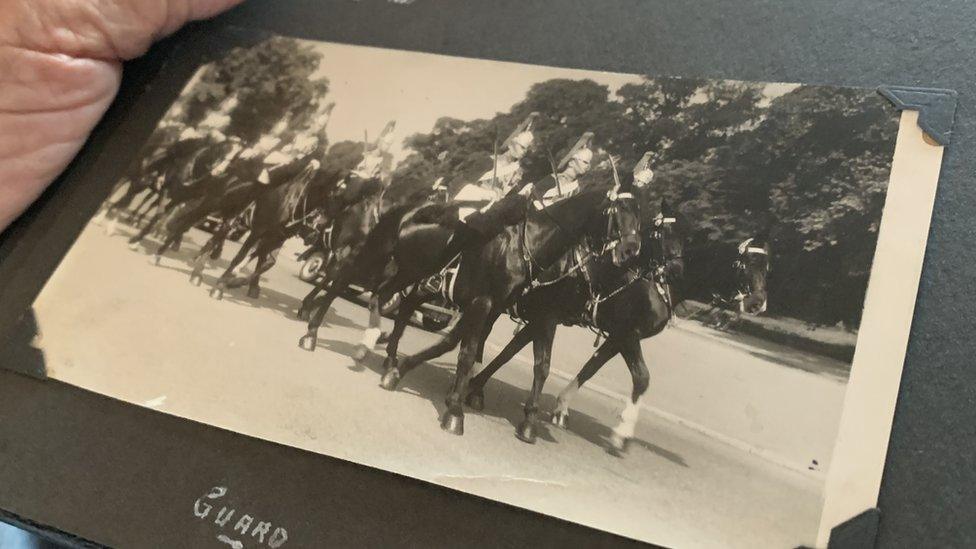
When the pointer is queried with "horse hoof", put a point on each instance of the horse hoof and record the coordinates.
(217, 293)
(476, 401)
(617, 445)
(453, 423)
(154, 260)
(526, 432)
(390, 379)
(307, 342)
(253, 293)
(196, 279)
(561, 419)
(360, 352)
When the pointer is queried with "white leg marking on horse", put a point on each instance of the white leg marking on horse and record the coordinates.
(370, 337)
(566, 395)
(628, 419)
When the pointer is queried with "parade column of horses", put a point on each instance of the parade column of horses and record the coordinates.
(555, 252)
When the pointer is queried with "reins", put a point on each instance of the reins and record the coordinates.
(608, 244)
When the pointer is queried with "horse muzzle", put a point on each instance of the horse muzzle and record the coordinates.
(754, 303)
(626, 249)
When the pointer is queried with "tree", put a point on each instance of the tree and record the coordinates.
(811, 165)
(271, 80)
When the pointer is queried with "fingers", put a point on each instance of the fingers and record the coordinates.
(99, 29)
(60, 66)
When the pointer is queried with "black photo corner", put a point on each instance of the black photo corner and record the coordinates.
(78, 469)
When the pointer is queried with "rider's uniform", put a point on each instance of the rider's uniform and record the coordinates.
(567, 183)
(489, 204)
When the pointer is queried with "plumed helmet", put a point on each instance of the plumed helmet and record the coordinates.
(524, 139)
(643, 174)
(584, 155)
(583, 143)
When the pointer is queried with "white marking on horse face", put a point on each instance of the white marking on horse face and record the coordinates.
(566, 395)
(370, 337)
(628, 419)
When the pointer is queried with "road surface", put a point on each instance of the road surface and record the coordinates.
(721, 448)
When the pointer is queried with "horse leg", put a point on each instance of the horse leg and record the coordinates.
(450, 340)
(111, 213)
(180, 226)
(542, 351)
(476, 387)
(489, 323)
(409, 304)
(624, 431)
(161, 212)
(217, 292)
(560, 417)
(205, 253)
(305, 310)
(372, 333)
(320, 307)
(267, 257)
(473, 322)
(147, 204)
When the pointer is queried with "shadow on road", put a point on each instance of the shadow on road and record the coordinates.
(282, 303)
(432, 380)
(503, 400)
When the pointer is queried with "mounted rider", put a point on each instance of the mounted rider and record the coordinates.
(565, 182)
(502, 172)
(197, 151)
(291, 149)
(371, 175)
(482, 226)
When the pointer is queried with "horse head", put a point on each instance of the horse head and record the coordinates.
(751, 269)
(624, 224)
(667, 236)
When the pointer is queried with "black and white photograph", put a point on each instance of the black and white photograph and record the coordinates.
(651, 305)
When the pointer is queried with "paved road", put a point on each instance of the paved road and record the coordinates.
(112, 323)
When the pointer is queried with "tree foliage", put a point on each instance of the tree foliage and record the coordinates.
(810, 164)
(272, 80)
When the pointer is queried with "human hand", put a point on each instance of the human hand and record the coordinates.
(60, 68)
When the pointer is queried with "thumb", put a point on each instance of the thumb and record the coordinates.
(60, 67)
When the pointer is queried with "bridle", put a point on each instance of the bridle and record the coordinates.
(741, 270)
(609, 241)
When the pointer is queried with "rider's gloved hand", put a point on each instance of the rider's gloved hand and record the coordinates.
(60, 67)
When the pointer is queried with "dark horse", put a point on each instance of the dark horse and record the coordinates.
(279, 213)
(626, 304)
(186, 183)
(379, 251)
(142, 177)
(492, 277)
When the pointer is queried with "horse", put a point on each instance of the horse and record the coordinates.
(279, 213)
(364, 251)
(493, 276)
(621, 302)
(141, 179)
(187, 183)
(625, 304)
